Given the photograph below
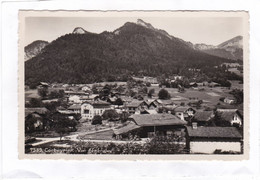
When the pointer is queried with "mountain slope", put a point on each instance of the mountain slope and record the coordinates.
(231, 49)
(34, 49)
(133, 49)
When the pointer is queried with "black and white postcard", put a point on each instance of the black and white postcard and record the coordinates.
(133, 85)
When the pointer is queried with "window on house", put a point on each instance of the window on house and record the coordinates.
(86, 111)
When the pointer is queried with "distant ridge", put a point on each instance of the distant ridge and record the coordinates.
(230, 49)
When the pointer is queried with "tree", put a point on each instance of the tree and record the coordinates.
(164, 94)
(151, 92)
(96, 120)
(110, 114)
(63, 125)
(35, 102)
(238, 94)
(94, 89)
(43, 92)
(124, 116)
(56, 94)
(118, 102)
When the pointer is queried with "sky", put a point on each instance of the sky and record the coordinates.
(208, 30)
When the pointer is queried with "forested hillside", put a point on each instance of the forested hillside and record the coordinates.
(132, 49)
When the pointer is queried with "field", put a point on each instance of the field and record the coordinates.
(209, 96)
(104, 135)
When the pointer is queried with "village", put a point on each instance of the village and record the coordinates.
(140, 116)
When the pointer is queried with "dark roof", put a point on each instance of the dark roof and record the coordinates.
(134, 103)
(181, 108)
(39, 110)
(227, 114)
(129, 127)
(75, 106)
(98, 104)
(165, 102)
(157, 119)
(203, 115)
(214, 132)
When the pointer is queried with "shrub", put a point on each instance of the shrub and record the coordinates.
(96, 120)
(164, 94)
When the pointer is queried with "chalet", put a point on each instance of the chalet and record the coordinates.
(230, 100)
(161, 124)
(152, 103)
(130, 127)
(184, 112)
(149, 125)
(209, 140)
(203, 117)
(229, 115)
(149, 111)
(33, 122)
(91, 108)
(176, 77)
(76, 108)
(135, 106)
(34, 118)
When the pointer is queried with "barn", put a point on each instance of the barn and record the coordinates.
(209, 140)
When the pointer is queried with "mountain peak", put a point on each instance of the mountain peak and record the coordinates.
(34, 49)
(79, 30)
(234, 42)
(142, 23)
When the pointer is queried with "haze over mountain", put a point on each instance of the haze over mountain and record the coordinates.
(230, 49)
(133, 49)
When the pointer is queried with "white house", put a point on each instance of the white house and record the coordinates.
(74, 99)
(230, 115)
(91, 108)
(184, 111)
(230, 100)
(210, 140)
(85, 88)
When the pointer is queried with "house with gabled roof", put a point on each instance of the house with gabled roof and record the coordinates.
(229, 115)
(184, 112)
(161, 124)
(203, 117)
(210, 140)
(230, 100)
(76, 108)
(135, 106)
(91, 108)
(34, 118)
